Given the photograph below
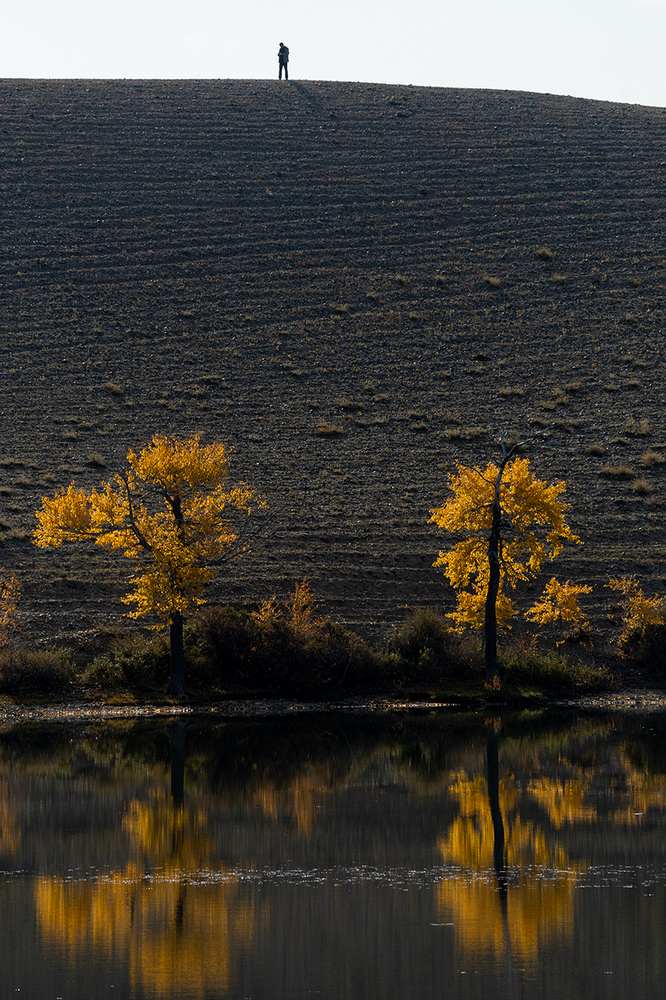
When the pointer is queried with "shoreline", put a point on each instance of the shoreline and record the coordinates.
(633, 700)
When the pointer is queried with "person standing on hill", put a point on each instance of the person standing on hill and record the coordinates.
(283, 61)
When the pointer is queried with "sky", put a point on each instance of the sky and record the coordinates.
(613, 50)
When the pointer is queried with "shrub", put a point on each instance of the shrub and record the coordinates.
(552, 672)
(288, 652)
(643, 618)
(103, 673)
(36, 671)
(424, 648)
(647, 648)
(144, 664)
(617, 472)
(130, 662)
(651, 458)
(642, 487)
(637, 428)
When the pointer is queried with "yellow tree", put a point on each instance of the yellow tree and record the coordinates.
(173, 513)
(512, 523)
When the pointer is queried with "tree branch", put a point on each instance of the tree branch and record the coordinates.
(143, 542)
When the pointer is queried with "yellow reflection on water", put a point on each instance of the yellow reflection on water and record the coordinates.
(563, 801)
(645, 791)
(10, 830)
(297, 800)
(177, 938)
(537, 907)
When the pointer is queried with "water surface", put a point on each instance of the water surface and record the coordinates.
(406, 856)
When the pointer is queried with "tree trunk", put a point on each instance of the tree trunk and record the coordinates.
(494, 574)
(492, 667)
(177, 676)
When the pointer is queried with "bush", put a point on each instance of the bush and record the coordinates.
(646, 647)
(103, 673)
(132, 662)
(36, 671)
(552, 672)
(231, 648)
(424, 648)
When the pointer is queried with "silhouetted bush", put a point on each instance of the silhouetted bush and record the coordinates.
(425, 649)
(551, 672)
(646, 648)
(230, 649)
(131, 662)
(35, 671)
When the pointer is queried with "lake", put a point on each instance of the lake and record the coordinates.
(422, 854)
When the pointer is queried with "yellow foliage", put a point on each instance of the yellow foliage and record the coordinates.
(297, 801)
(564, 801)
(533, 519)
(268, 613)
(169, 511)
(559, 602)
(638, 610)
(302, 611)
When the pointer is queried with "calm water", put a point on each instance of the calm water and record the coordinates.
(416, 856)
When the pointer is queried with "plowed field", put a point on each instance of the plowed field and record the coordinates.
(355, 285)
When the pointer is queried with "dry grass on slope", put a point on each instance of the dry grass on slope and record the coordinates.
(356, 285)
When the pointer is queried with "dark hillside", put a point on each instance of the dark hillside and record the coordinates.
(267, 262)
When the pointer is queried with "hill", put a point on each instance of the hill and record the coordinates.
(357, 286)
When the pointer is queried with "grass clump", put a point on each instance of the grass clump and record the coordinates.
(651, 458)
(637, 428)
(324, 429)
(617, 472)
(642, 487)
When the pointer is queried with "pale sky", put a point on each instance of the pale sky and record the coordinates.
(613, 50)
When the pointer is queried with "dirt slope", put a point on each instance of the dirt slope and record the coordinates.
(254, 260)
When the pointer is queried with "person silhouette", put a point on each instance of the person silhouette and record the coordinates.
(283, 61)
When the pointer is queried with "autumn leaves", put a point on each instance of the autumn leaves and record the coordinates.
(512, 523)
(173, 513)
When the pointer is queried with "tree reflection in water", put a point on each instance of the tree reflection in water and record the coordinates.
(176, 937)
(507, 901)
(341, 830)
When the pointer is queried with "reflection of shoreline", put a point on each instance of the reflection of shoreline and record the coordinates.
(173, 936)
